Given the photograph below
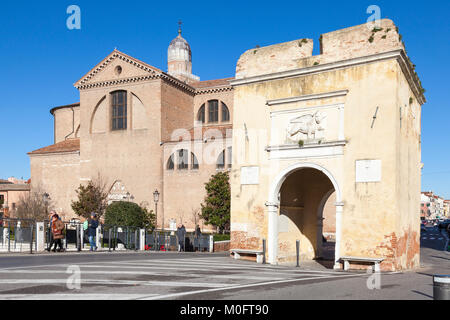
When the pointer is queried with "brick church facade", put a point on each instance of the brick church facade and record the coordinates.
(140, 129)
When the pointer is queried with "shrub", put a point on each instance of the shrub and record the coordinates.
(91, 198)
(129, 214)
(216, 206)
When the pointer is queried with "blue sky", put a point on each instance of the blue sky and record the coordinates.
(41, 58)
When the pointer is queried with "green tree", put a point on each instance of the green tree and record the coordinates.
(91, 198)
(216, 206)
(129, 214)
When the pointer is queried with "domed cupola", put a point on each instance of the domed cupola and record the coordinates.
(179, 59)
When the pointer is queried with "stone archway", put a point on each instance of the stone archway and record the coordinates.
(298, 194)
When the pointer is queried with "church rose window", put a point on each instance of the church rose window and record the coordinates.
(119, 110)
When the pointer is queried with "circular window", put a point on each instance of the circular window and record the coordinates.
(118, 70)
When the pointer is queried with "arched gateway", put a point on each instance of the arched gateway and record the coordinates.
(297, 198)
(346, 122)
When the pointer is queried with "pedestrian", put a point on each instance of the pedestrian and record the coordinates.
(92, 231)
(197, 235)
(50, 234)
(181, 234)
(57, 229)
(198, 232)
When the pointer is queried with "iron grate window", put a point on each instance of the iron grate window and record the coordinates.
(119, 110)
(213, 111)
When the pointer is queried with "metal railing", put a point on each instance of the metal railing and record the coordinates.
(17, 235)
(168, 241)
(120, 237)
(71, 235)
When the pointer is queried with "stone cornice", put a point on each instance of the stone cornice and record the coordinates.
(105, 62)
(308, 97)
(399, 55)
(59, 153)
(213, 90)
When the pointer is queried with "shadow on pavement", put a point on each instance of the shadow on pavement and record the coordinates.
(423, 294)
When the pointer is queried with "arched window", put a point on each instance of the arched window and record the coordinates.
(213, 109)
(221, 161)
(119, 110)
(194, 162)
(225, 113)
(183, 159)
(171, 162)
(201, 114)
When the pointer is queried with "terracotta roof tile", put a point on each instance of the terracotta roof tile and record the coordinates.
(63, 146)
(15, 187)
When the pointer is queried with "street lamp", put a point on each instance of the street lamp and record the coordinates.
(156, 199)
(46, 198)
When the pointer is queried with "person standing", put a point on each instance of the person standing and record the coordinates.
(92, 231)
(57, 228)
(181, 234)
(197, 235)
(50, 234)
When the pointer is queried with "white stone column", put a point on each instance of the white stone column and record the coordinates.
(81, 236)
(272, 245)
(142, 239)
(40, 236)
(5, 236)
(211, 244)
(337, 252)
(98, 237)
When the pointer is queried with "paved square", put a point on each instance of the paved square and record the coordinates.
(148, 276)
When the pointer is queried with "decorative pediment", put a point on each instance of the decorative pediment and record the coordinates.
(117, 68)
(118, 192)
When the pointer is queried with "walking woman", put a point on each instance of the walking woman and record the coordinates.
(57, 227)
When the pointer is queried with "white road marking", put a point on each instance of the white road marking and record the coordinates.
(180, 294)
(117, 282)
(74, 296)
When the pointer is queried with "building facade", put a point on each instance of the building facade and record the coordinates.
(318, 147)
(140, 130)
(11, 192)
(346, 122)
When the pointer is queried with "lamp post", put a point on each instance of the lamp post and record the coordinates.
(156, 199)
(46, 198)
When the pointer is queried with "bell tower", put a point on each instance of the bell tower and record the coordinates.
(179, 59)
